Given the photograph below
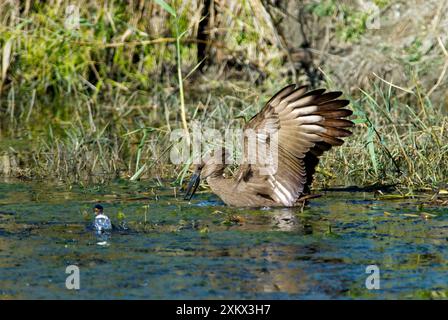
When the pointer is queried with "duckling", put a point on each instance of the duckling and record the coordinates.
(102, 222)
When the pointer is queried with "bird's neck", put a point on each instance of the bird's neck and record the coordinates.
(215, 181)
(220, 185)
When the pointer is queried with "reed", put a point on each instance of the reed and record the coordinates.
(99, 101)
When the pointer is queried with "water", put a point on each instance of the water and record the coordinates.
(205, 250)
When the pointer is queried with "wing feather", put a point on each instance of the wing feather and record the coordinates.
(305, 124)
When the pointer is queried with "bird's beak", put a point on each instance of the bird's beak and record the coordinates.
(192, 185)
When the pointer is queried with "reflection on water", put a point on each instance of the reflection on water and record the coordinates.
(175, 249)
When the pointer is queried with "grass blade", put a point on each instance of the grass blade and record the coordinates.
(166, 7)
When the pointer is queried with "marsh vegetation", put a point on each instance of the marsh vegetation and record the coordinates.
(97, 100)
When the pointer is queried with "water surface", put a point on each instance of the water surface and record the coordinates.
(173, 249)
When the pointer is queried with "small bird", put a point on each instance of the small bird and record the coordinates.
(304, 124)
(102, 222)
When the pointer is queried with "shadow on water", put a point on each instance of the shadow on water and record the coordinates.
(174, 249)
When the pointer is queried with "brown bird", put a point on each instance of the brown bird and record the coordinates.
(294, 128)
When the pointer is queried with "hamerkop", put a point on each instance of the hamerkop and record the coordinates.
(303, 125)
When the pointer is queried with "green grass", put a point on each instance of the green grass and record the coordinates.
(99, 102)
(392, 142)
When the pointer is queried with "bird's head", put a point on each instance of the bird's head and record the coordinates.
(98, 209)
(212, 165)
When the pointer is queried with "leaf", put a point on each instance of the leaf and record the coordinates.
(204, 230)
(121, 215)
(371, 148)
(411, 215)
(426, 215)
(166, 7)
(359, 120)
(138, 173)
(6, 58)
(396, 196)
(194, 69)
(182, 34)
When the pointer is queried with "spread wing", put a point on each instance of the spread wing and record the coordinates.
(283, 141)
